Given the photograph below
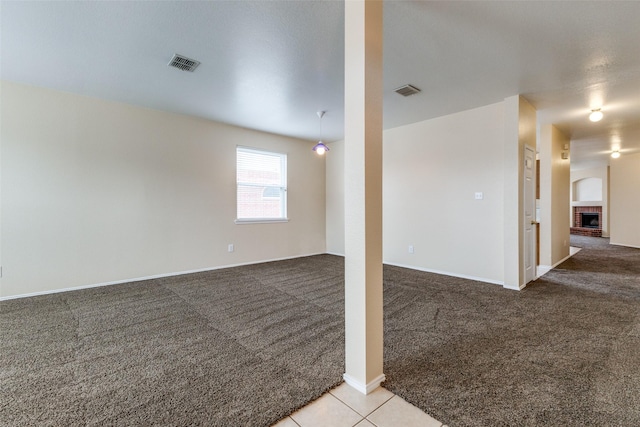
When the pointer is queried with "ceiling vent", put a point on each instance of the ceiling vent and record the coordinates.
(183, 63)
(407, 90)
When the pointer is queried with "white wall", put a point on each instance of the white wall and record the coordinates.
(625, 200)
(554, 196)
(335, 198)
(601, 174)
(96, 191)
(587, 190)
(431, 172)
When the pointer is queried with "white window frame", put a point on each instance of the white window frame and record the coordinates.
(281, 187)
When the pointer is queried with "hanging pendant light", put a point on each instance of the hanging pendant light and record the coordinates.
(320, 148)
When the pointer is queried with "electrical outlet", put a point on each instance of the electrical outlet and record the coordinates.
(410, 249)
(230, 248)
(479, 195)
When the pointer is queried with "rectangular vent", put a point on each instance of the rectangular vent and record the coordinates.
(183, 63)
(407, 90)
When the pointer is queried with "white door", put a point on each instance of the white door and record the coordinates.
(529, 214)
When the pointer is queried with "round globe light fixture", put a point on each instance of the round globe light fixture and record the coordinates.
(320, 148)
(596, 115)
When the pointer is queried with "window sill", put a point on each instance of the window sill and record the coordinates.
(261, 221)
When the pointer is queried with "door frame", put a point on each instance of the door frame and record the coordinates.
(529, 213)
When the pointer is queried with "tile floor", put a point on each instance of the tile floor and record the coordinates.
(346, 407)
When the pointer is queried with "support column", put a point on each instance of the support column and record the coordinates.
(363, 194)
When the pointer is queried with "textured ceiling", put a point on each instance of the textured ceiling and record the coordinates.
(270, 65)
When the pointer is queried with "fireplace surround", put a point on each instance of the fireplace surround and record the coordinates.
(587, 221)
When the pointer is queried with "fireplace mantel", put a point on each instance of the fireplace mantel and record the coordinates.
(588, 204)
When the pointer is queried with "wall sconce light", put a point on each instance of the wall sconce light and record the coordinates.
(320, 148)
(615, 154)
(596, 115)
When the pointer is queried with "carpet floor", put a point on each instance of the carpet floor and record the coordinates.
(234, 347)
(246, 346)
(565, 351)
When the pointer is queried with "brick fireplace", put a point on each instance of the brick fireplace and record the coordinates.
(589, 224)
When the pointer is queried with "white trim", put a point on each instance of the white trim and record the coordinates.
(427, 270)
(561, 261)
(283, 157)
(260, 221)
(364, 388)
(514, 288)
(445, 273)
(544, 269)
(155, 276)
(623, 245)
(541, 270)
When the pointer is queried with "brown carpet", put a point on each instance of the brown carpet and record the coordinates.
(564, 352)
(235, 347)
(246, 346)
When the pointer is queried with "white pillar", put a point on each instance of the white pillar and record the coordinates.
(363, 194)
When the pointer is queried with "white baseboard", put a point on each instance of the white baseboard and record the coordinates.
(561, 261)
(361, 387)
(514, 288)
(444, 273)
(447, 273)
(622, 244)
(335, 253)
(140, 279)
(544, 269)
(541, 270)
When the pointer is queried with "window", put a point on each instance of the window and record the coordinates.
(262, 185)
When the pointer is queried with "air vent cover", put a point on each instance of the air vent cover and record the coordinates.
(183, 63)
(407, 90)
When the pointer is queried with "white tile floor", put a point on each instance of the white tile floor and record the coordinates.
(346, 407)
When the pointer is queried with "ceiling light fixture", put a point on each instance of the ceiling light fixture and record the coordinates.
(596, 115)
(615, 154)
(320, 148)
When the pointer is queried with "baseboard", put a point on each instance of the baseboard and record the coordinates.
(335, 253)
(544, 269)
(444, 273)
(541, 270)
(156, 276)
(561, 261)
(624, 245)
(514, 288)
(364, 388)
(447, 273)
